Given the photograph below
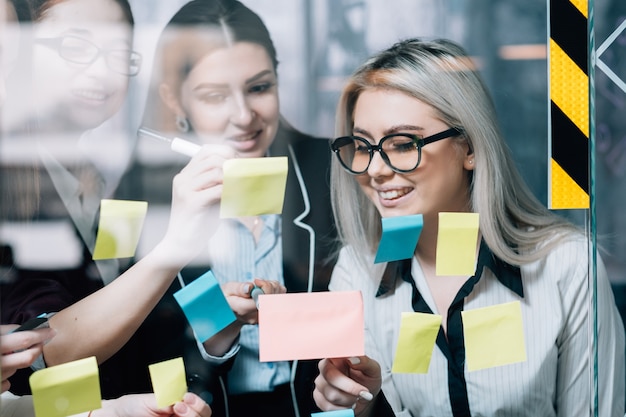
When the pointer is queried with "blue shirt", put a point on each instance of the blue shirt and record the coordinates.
(236, 257)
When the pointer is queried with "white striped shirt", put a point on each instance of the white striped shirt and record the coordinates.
(555, 378)
(236, 257)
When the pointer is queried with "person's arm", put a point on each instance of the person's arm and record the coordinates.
(144, 405)
(100, 324)
(575, 359)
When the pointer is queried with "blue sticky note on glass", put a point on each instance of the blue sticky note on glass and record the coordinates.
(399, 237)
(205, 306)
(348, 412)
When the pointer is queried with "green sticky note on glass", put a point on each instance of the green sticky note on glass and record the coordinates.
(169, 382)
(253, 186)
(66, 389)
(416, 341)
(494, 336)
(399, 237)
(205, 306)
(119, 228)
(456, 244)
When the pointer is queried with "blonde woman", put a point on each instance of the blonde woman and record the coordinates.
(418, 135)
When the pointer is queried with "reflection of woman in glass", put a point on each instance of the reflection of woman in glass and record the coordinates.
(418, 135)
(87, 46)
(215, 83)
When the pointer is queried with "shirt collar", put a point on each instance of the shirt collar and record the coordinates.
(509, 275)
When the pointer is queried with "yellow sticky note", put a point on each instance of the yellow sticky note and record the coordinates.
(253, 186)
(456, 244)
(418, 333)
(119, 229)
(168, 381)
(494, 336)
(67, 389)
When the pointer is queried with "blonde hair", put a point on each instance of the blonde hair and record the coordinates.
(514, 224)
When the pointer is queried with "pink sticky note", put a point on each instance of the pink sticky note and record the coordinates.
(311, 325)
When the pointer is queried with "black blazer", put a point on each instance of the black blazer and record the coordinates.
(307, 185)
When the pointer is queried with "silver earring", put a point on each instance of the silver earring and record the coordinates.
(182, 123)
(471, 161)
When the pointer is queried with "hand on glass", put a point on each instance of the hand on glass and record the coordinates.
(347, 383)
(196, 195)
(20, 349)
(144, 405)
(239, 297)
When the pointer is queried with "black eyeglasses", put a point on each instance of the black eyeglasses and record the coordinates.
(402, 152)
(81, 51)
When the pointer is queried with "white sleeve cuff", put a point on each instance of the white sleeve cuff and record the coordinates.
(218, 360)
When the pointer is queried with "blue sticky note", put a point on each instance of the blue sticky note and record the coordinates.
(399, 237)
(348, 412)
(205, 306)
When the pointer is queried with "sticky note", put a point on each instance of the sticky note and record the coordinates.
(253, 186)
(119, 228)
(169, 382)
(494, 336)
(348, 412)
(399, 237)
(311, 325)
(66, 389)
(416, 341)
(205, 306)
(456, 244)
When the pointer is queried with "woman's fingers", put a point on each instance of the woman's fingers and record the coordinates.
(346, 382)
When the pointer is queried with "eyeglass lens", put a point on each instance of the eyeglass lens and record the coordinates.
(399, 152)
(81, 51)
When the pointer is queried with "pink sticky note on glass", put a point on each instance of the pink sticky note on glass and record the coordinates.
(311, 325)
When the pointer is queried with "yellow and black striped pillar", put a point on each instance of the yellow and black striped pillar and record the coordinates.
(569, 105)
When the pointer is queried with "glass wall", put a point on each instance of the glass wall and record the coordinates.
(319, 43)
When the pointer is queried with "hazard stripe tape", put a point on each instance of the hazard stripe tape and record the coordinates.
(569, 105)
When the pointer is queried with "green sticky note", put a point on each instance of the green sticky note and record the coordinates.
(416, 340)
(494, 336)
(456, 244)
(119, 228)
(168, 381)
(253, 186)
(67, 389)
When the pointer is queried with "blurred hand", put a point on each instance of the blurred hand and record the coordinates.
(240, 301)
(196, 195)
(144, 405)
(19, 350)
(347, 383)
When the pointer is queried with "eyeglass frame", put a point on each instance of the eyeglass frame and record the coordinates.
(371, 148)
(57, 42)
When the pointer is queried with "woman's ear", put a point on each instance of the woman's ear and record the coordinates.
(170, 100)
(468, 162)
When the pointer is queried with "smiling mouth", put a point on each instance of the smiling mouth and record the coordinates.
(246, 138)
(92, 95)
(394, 194)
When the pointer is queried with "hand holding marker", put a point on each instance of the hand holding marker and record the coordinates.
(254, 294)
(185, 147)
(178, 145)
